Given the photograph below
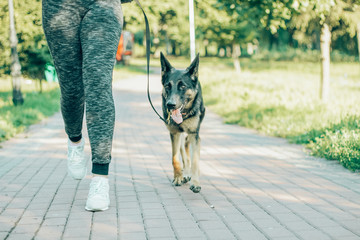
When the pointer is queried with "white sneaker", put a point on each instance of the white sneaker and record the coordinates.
(98, 198)
(77, 160)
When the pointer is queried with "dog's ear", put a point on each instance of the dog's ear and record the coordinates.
(165, 65)
(193, 69)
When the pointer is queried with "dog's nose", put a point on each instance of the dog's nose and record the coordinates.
(170, 105)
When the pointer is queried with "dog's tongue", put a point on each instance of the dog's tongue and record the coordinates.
(176, 116)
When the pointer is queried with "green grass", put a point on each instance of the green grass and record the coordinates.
(282, 99)
(37, 106)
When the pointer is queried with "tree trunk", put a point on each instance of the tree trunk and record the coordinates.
(206, 44)
(15, 63)
(236, 52)
(167, 41)
(325, 39)
(173, 48)
(358, 38)
(272, 40)
(40, 85)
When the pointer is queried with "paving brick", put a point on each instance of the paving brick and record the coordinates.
(218, 234)
(251, 235)
(154, 223)
(6, 224)
(26, 228)
(133, 236)
(84, 222)
(299, 226)
(184, 223)
(242, 226)
(76, 232)
(49, 232)
(212, 225)
(30, 220)
(131, 227)
(234, 217)
(314, 234)
(192, 232)
(3, 235)
(20, 236)
(104, 231)
(338, 232)
(153, 213)
(35, 213)
(162, 232)
(57, 214)
(277, 232)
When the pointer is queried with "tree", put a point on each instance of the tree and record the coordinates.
(352, 17)
(15, 63)
(168, 24)
(32, 48)
(328, 14)
(271, 16)
(233, 27)
(248, 18)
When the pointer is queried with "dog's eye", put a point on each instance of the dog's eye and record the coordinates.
(181, 86)
(168, 86)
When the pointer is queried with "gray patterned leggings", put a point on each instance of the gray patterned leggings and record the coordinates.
(83, 36)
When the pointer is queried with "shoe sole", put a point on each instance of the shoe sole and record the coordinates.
(96, 210)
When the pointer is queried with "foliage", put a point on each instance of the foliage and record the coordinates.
(32, 45)
(219, 24)
(342, 145)
(163, 17)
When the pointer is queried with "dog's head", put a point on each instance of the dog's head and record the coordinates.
(179, 86)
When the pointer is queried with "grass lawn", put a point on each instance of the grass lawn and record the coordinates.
(37, 106)
(282, 99)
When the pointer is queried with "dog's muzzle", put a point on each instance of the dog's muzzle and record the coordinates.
(176, 114)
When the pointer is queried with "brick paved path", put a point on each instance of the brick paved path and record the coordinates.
(253, 187)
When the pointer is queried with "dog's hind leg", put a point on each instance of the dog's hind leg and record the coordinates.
(195, 171)
(185, 155)
(175, 143)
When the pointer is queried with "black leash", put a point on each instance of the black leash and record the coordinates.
(147, 37)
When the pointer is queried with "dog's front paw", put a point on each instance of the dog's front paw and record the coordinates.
(178, 181)
(186, 179)
(195, 189)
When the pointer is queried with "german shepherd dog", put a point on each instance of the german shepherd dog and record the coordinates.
(183, 107)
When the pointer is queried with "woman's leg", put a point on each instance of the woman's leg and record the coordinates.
(100, 33)
(61, 23)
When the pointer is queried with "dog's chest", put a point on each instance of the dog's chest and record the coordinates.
(189, 125)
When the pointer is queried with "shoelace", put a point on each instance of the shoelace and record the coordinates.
(97, 187)
(76, 156)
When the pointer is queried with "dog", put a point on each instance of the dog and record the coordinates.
(184, 110)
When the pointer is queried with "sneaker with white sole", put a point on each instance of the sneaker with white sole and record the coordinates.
(98, 198)
(77, 160)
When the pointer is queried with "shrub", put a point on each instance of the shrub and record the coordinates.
(342, 145)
